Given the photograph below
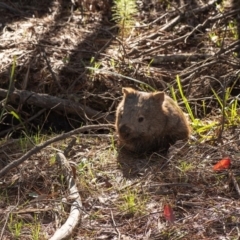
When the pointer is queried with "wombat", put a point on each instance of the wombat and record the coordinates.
(147, 122)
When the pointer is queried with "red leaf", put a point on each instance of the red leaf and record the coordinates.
(222, 164)
(168, 213)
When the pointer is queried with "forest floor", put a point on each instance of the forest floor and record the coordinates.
(73, 53)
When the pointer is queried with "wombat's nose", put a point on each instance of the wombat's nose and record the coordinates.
(124, 129)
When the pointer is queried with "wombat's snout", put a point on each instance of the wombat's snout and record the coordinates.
(124, 130)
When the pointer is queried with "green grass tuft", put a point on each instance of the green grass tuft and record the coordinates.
(123, 11)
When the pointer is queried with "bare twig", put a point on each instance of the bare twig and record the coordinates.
(172, 23)
(51, 71)
(177, 58)
(10, 210)
(115, 226)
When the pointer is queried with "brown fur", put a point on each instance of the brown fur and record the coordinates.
(149, 121)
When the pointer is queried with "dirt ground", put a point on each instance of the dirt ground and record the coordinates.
(72, 53)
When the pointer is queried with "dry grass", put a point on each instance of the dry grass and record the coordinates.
(123, 195)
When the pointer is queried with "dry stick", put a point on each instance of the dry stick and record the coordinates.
(203, 8)
(75, 213)
(193, 57)
(8, 214)
(117, 39)
(201, 25)
(151, 23)
(172, 23)
(115, 226)
(178, 58)
(182, 15)
(50, 70)
(236, 49)
(37, 148)
(211, 19)
(193, 70)
(171, 42)
(231, 48)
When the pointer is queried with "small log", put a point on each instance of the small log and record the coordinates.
(50, 102)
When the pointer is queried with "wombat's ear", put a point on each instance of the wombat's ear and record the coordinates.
(159, 96)
(128, 90)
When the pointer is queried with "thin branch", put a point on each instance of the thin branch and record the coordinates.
(177, 58)
(56, 80)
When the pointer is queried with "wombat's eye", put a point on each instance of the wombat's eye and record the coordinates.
(140, 119)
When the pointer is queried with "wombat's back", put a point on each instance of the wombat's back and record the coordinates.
(149, 121)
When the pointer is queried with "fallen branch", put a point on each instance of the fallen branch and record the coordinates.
(54, 103)
(75, 213)
(37, 148)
